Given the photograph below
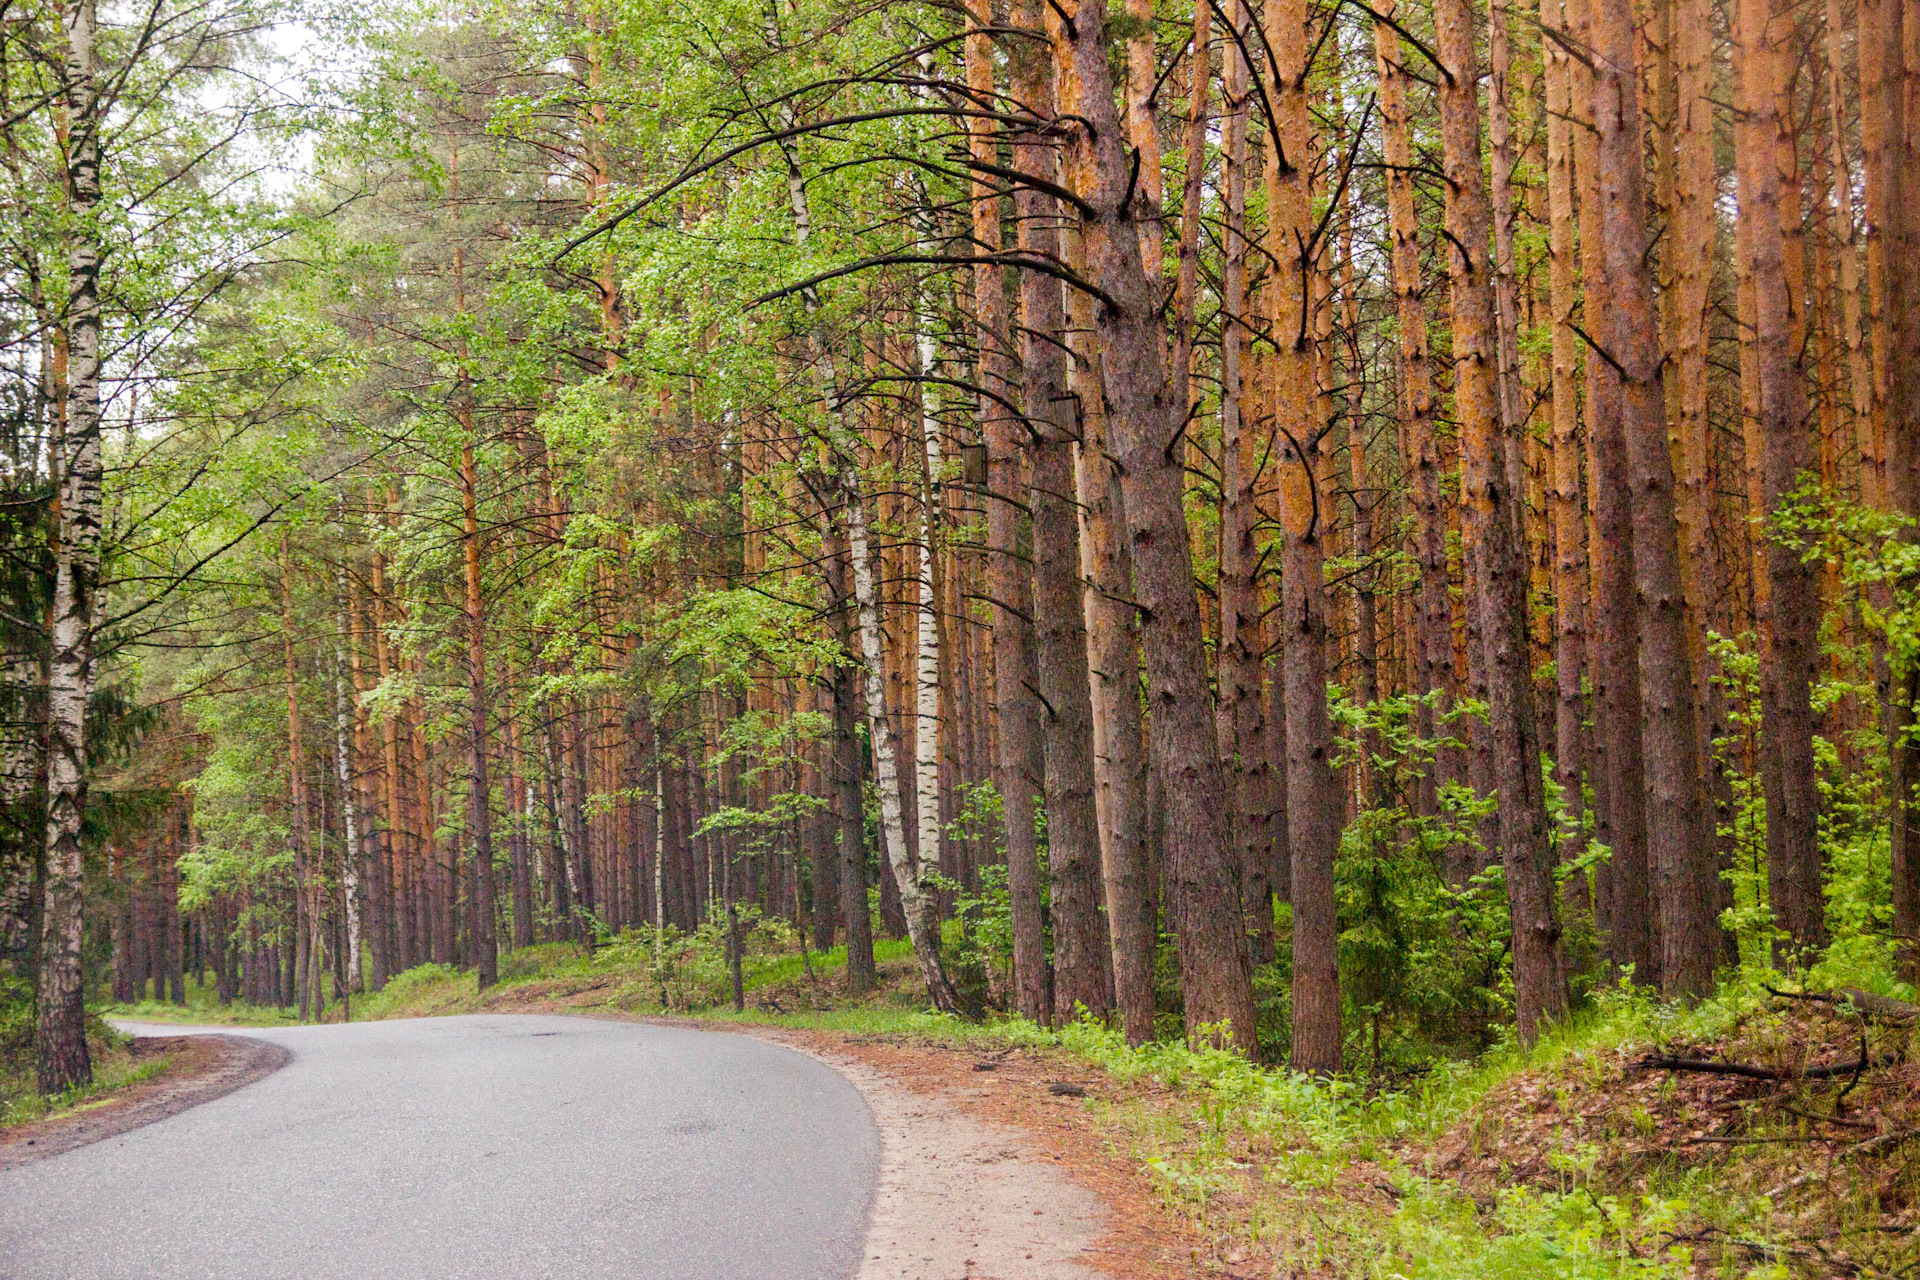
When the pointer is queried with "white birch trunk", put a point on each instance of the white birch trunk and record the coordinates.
(349, 809)
(915, 902)
(60, 1044)
(926, 756)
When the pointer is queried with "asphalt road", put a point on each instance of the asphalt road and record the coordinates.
(495, 1147)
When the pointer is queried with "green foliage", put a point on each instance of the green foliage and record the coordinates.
(1424, 965)
(20, 1098)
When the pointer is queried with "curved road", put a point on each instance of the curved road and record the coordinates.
(492, 1147)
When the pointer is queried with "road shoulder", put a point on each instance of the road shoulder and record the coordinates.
(992, 1168)
(200, 1069)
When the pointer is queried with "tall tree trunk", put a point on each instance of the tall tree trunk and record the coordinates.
(1120, 765)
(479, 786)
(1306, 519)
(841, 450)
(927, 720)
(1080, 976)
(1433, 614)
(1872, 477)
(1679, 843)
(345, 767)
(1570, 590)
(1890, 140)
(60, 1034)
(1689, 252)
(1497, 575)
(1792, 621)
(1240, 644)
(1216, 982)
(1619, 808)
(847, 807)
(1008, 584)
(299, 836)
(374, 863)
(519, 837)
(916, 901)
(1366, 644)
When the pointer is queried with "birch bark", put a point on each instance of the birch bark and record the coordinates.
(60, 1038)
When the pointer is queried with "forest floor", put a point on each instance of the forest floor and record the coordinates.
(1584, 1156)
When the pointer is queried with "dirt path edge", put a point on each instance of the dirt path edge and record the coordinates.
(956, 1199)
(226, 1063)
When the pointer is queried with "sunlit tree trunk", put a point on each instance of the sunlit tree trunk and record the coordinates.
(1432, 641)
(1306, 518)
(1570, 590)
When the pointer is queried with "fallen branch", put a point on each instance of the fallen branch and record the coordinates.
(1746, 1142)
(1858, 1149)
(1863, 1001)
(1809, 1115)
(1661, 1062)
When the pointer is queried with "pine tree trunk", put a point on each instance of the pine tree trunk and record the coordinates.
(1008, 584)
(1568, 509)
(1497, 581)
(1619, 812)
(479, 785)
(1432, 641)
(1366, 645)
(1679, 843)
(1240, 647)
(1120, 767)
(1792, 620)
(1888, 105)
(1080, 976)
(1216, 982)
(1690, 250)
(1306, 518)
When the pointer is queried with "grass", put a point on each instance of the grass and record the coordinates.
(115, 1067)
(689, 980)
(203, 1008)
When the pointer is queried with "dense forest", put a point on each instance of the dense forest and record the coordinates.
(1338, 531)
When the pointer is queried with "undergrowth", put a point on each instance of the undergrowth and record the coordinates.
(114, 1064)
